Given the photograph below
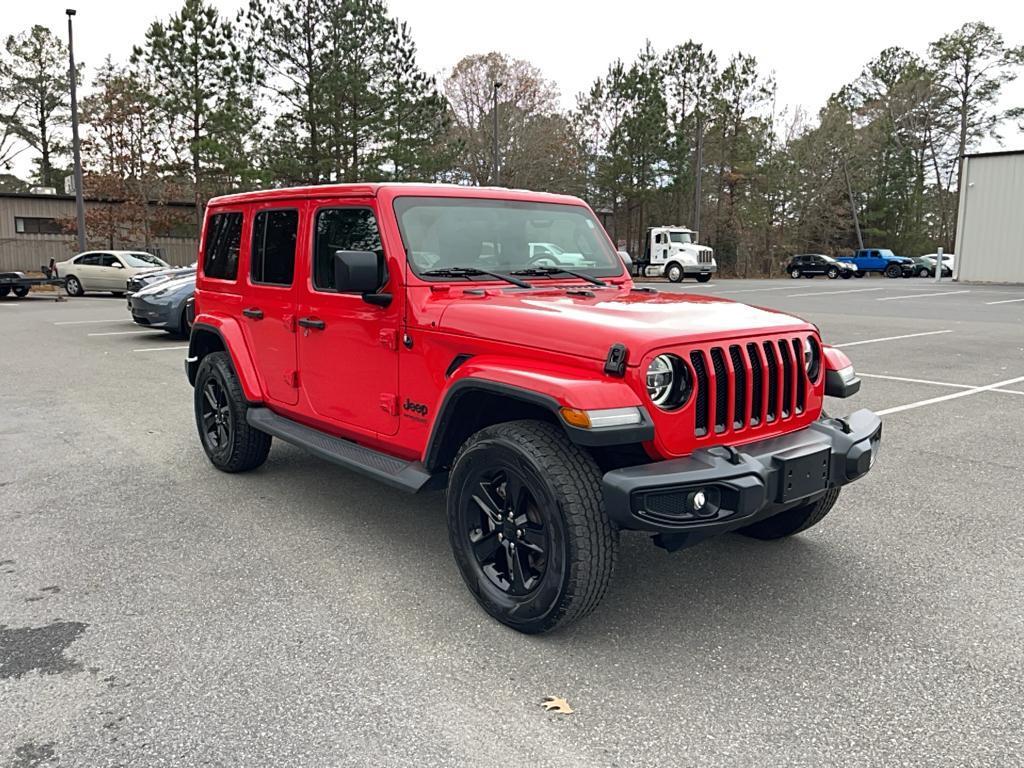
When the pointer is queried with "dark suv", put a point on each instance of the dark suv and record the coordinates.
(811, 264)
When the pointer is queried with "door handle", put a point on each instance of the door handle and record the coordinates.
(254, 312)
(312, 322)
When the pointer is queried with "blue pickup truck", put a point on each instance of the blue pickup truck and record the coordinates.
(880, 260)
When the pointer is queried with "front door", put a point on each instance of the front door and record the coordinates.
(348, 349)
(268, 313)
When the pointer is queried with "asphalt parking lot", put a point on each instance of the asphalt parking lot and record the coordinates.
(154, 611)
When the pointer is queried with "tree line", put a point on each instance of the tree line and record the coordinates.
(292, 92)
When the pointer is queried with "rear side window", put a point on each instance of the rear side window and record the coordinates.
(341, 229)
(273, 247)
(223, 240)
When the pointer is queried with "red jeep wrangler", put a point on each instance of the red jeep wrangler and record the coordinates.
(491, 341)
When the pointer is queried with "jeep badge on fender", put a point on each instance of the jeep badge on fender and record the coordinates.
(556, 402)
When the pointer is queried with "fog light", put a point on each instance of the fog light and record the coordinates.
(698, 500)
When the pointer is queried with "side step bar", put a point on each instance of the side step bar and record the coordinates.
(409, 476)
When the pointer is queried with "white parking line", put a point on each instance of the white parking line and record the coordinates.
(92, 322)
(1004, 301)
(921, 295)
(954, 396)
(889, 338)
(935, 383)
(755, 290)
(120, 333)
(829, 293)
(158, 349)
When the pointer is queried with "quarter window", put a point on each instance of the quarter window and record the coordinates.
(273, 247)
(223, 241)
(342, 229)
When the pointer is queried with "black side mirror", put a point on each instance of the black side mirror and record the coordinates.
(361, 272)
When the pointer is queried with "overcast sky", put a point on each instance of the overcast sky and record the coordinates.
(812, 47)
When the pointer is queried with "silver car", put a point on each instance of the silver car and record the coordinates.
(163, 305)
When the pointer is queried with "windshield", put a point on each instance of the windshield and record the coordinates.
(139, 260)
(680, 237)
(502, 236)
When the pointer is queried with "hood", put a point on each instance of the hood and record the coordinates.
(166, 286)
(587, 325)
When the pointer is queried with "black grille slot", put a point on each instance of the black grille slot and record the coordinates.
(773, 380)
(756, 384)
(700, 373)
(801, 375)
(739, 408)
(721, 388)
(787, 378)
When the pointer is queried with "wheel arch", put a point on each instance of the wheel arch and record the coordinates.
(217, 335)
(475, 402)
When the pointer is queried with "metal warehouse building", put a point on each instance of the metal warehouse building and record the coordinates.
(990, 234)
(33, 230)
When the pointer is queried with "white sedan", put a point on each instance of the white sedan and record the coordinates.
(106, 270)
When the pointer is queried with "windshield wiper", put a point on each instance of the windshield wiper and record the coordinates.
(474, 272)
(560, 271)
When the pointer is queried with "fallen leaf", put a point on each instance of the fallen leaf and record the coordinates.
(557, 704)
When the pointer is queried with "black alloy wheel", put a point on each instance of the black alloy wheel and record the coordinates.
(231, 444)
(215, 415)
(505, 529)
(527, 525)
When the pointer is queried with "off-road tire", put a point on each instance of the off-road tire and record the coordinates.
(73, 286)
(703, 278)
(246, 448)
(793, 521)
(893, 271)
(565, 483)
(674, 273)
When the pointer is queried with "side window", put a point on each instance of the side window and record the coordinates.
(273, 247)
(223, 240)
(341, 229)
(108, 260)
(89, 260)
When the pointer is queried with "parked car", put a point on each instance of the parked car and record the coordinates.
(924, 266)
(106, 270)
(880, 260)
(163, 305)
(146, 279)
(811, 264)
(369, 325)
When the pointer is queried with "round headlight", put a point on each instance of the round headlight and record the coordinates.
(668, 382)
(812, 358)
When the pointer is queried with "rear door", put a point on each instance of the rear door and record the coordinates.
(348, 349)
(268, 307)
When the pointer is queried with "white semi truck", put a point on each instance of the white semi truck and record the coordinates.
(673, 252)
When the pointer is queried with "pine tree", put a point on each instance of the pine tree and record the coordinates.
(34, 96)
(206, 96)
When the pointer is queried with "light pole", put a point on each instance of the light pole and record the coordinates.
(497, 167)
(76, 147)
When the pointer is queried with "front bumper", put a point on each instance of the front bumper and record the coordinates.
(151, 314)
(742, 486)
(699, 269)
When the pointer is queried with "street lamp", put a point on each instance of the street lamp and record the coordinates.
(497, 170)
(76, 147)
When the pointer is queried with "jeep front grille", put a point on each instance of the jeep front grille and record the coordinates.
(739, 387)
